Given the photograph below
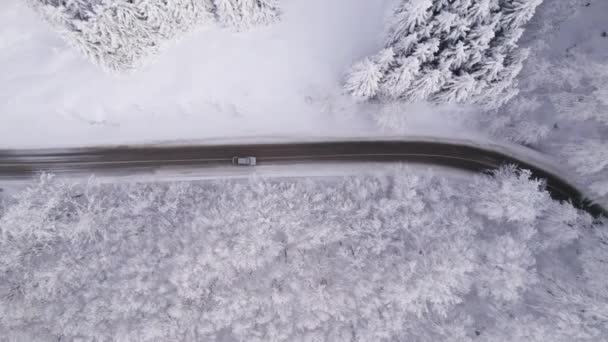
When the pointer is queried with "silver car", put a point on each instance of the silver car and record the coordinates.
(244, 161)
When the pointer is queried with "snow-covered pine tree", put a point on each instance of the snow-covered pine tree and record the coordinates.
(518, 12)
(452, 51)
(364, 78)
(430, 82)
(242, 14)
(401, 78)
(119, 34)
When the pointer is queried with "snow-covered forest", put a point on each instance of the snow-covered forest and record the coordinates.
(119, 34)
(447, 51)
(562, 105)
(473, 53)
(397, 255)
(394, 255)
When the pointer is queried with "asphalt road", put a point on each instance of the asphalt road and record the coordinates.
(28, 163)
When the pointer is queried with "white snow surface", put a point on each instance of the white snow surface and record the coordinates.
(280, 80)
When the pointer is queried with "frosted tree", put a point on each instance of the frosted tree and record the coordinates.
(409, 17)
(578, 303)
(509, 194)
(363, 80)
(429, 82)
(595, 262)
(401, 78)
(588, 156)
(511, 123)
(560, 225)
(509, 269)
(452, 51)
(243, 14)
(534, 328)
(518, 12)
(394, 255)
(119, 35)
(458, 89)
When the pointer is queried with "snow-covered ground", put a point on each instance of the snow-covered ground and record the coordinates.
(393, 254)
(282, 80)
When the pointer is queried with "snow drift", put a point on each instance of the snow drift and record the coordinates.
(119, 35)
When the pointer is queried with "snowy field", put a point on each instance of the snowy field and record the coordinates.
(389, 255)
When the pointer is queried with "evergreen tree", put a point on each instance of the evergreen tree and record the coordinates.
(465, 51)
(458, 89)
(242, 14)
(401, 78)
(364, 79)
(118, 35)
(400, 255)
(429, 82)
(518, 12)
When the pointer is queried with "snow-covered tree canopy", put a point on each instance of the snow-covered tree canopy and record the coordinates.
(447, 51)
(397, 255)
(119, 34)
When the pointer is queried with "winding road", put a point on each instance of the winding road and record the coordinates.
(133, 160)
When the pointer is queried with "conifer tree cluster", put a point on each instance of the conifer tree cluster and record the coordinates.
(460, 51)
(119, 34)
